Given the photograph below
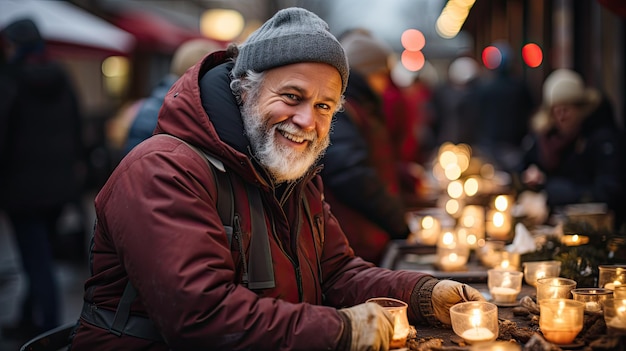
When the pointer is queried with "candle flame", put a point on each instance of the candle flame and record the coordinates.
(475, 318)
(498, 219)
(501, 203)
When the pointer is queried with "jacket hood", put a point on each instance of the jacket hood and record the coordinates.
(201, 109)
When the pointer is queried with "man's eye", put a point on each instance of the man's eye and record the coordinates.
(324, 106)
(292, 97)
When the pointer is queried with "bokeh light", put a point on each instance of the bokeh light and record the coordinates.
(412, 60)
(221, 24)
(532, 55)
(413, 40)
(492, 57)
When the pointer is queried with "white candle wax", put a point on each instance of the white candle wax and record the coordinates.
(592, 306)
(477, 335)
(503, 295)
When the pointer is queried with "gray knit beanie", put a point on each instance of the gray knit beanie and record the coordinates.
(292, 35)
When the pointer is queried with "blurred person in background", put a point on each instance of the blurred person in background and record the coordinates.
(573, 154)
(505, 110)
(372, 58)
(455, 104)
(145, 115)
(260, 113)
(41, 153)
(360, 173)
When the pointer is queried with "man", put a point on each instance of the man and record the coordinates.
(265, 112)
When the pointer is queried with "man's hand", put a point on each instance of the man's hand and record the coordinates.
(372, 327)
(448, 293)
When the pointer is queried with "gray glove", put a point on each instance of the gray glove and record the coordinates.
(447, 293)
(372, 327)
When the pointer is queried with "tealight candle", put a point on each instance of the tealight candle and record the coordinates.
(452, 253)
(593, 298)
(574, 240)
(430, 230)
(611, 276)
(540, 269)
(398, 310)
(561, 320)
(615, 315)
(475, 321)
(554, 288)
(504, 285)
(498, 225)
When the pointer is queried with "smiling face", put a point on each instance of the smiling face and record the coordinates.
(288, 119)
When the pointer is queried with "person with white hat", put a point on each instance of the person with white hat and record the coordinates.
(575, 155)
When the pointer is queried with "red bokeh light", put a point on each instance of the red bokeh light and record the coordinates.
(532, 55)
(413, 40)
(492, 57)
(412, 60)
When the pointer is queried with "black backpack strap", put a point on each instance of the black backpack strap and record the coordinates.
(225, 203)
(260, 266)
(123, 309)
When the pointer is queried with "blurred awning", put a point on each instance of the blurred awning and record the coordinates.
(153, 32)
(156, 26)
(68, 29)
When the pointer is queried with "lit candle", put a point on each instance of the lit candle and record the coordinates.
(503, 295)
(561, 320)
(430, 230)
(574, 240)
(477, 333)
(498, 224)
(475, 321)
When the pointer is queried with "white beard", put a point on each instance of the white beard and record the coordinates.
(283, 163)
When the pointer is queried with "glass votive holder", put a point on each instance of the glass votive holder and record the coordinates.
(475, 321)
(398, 310)
(611, 276)
(554, 288)
(615, 316)
(540, 269)
(560, 320)
(593, 298)
(504, 285)
(619, 292)
(508, 260)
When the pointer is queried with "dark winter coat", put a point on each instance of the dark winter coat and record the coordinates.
(588, 168)
(158, 226)
(41, 147)
(360, 176)
(145, 120)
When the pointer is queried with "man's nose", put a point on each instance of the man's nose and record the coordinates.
(305, 118)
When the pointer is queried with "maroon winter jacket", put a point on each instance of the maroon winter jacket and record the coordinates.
(157, 226)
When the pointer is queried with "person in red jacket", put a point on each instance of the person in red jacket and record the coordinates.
(287, 279)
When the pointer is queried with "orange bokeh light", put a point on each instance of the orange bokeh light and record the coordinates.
(532, 55)
(413, 40)
(412, 60)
